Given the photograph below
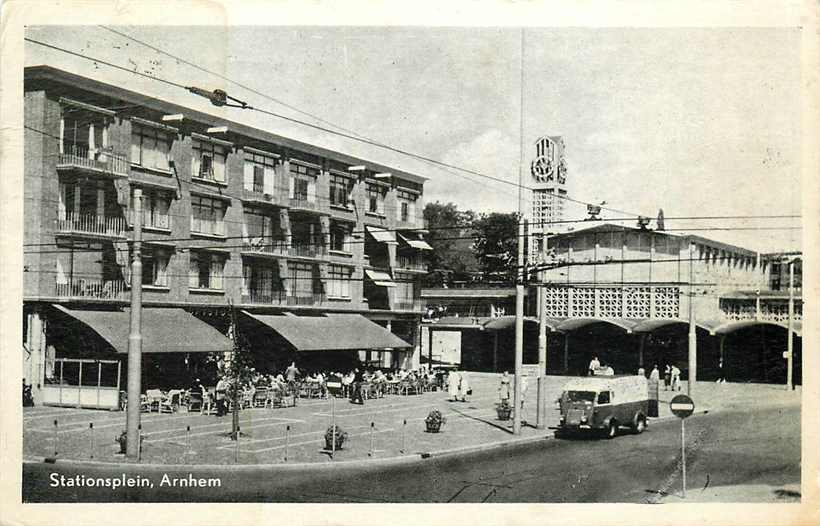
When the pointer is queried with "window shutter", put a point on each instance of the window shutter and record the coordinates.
(193, 271)
(162, 204)
(398, 209)
(249, 170)
(311, 191)
(291, 185)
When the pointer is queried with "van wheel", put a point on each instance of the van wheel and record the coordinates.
(612, 430)
(640, 425)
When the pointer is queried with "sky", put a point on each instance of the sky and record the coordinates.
(698, 122)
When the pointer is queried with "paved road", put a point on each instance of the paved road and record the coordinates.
(734, 447)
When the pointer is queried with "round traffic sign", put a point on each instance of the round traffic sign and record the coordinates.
(682, 406)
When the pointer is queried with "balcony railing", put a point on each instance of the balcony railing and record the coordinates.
(257, 194)
(92, 224)
(267, 297)
(304, 299)
(102, 160)
(159, 221)
(264, 246)
(303, 203)
(777, 312)
(411, 263)
(95, 289)
(310, 250)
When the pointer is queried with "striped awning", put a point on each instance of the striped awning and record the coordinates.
(381, 235)
(382, 279)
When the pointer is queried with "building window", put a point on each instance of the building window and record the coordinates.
(340, 189)
(407, 206)
(206, 271)
(150, 147)
(155, 266)
(83, 132)
(303, 182)
(260, 282)
(155, 206)
(209, 161)
(405, 289)
(375, 199)
(260, 175)
(301, 281)
(340, 238)
(257, 227)
(338, 281)
(207, 216)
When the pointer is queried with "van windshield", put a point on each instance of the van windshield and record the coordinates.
(580, 396)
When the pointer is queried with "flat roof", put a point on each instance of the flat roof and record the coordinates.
(44, 77)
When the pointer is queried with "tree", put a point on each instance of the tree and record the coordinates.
(452, 258)
(496, 246)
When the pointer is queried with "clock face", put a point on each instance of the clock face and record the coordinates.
(543, 167)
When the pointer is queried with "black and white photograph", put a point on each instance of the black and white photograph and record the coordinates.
(406, 263)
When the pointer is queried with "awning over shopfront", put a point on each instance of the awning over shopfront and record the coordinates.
(163, 330)
(381, 235)
(337, 332)
(418, 244)
(382, 279)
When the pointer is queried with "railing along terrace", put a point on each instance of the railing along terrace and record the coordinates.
(104, 160)
(265, 297)
(265, 246)
(92, 224)
(88, 288)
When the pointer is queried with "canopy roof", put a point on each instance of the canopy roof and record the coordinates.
(419, 244)
(163, 330)
(337, 332)
(381, 235)
(379, 278)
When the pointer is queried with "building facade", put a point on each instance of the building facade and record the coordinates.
(231, 215)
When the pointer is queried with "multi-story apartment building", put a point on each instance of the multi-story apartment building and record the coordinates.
(230, 215)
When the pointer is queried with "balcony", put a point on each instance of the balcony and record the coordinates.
(307, 250)
(264, 247)
(267, 297)
(93, 289)
(91, 224)
(771, 311)
(257, 195)
(411, 263)
(306, 299)
(101, 161)
(303, 203)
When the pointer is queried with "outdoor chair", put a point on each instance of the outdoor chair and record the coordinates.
(156, 399)
(195, 401)
(260, 397)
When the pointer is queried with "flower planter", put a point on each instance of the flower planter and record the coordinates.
(504, 413)
(433, 427)
(338, 437)
(329, 444)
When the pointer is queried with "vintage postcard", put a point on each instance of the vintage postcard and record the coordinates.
(524, 253)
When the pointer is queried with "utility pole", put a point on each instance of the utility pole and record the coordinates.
(693, 335)
(135, 336)
(519, 282)
(542, 357)
(790, 328)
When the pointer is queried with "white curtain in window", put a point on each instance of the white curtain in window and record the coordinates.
(311, 191)
(269, 179)
(161, 269)
(291, 186)
(162, 204)
(219, 167)
(248, 176)
(216, 272)
(193, 271)
(246, 279)
(61, 211)
(61, 279)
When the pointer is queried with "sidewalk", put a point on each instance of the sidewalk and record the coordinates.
(376, 430)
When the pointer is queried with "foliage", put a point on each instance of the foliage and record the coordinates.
(435, 418)
(341, 436)
(496, 246)
(452, 257)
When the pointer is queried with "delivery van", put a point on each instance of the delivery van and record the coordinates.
(604, 404)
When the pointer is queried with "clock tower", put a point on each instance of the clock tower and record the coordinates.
(549, 178)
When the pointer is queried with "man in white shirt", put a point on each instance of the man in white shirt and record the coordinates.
(594, 364)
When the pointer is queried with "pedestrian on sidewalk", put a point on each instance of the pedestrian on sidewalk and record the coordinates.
(667, 377)
(464, 386)
(655, 375)
(358, 380)
(453, 383)
(675, 378)
(221, 389)
(524, 385)
(721, 378)
(504, 388)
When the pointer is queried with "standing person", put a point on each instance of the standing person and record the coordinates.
(464, 386)
(221, 389)
(655, 375)
(504, 388)
(291, 373)
(594, 364)
(358, 379)
(721, 378)
(524, 384)
(667, 377)
(453, 381)
(675, 373)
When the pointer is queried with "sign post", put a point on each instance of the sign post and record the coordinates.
(682, 407)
